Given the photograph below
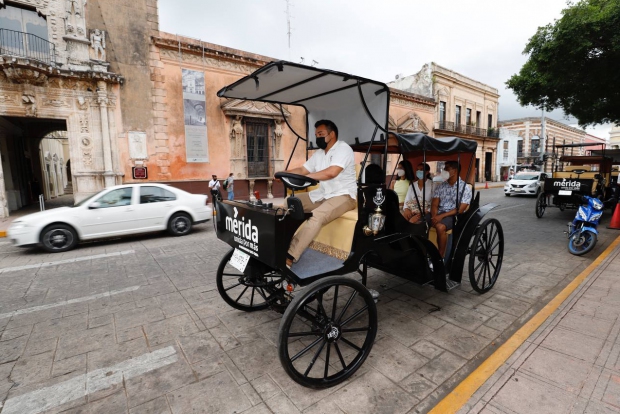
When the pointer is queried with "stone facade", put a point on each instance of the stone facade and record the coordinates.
(465, 108)
(66, 88)
(532, 145)
(614, 137)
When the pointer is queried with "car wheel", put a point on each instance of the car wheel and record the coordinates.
(180, 224)
(58, 238)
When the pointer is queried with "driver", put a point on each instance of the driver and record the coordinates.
(333, 165)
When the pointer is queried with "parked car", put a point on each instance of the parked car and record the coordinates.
(115, 211)
(525, 183)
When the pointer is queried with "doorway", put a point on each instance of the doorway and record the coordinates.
(488, 166)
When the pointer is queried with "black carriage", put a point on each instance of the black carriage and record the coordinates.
(593, 174)
(330, 320)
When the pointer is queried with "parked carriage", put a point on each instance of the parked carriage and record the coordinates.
(330, 320)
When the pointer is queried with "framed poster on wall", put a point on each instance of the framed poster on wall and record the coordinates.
(194, 111)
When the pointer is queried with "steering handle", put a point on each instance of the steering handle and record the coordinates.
(295, 181)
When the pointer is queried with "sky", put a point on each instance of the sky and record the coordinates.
(481, 39)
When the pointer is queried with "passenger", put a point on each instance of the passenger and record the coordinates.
(402, 184)
(419, 196)
(333, 165)
(443, 207)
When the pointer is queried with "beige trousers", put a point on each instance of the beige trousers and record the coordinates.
(323, 212)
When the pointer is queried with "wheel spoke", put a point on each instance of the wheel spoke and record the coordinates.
(365, 329)
(252, 299)
(327, 357)
(346, 306)
(306, 349)
(355, 315)
(480, 263)
(310, 333)
(493, 238)
(232, 275)
(344, 366)
(488, 271)
(494, 246)
(233, 286)
(334, 306)
(241, 294)
(479, 276)
(494, 267)
(314, 359)
(351, 344)
(319, 300)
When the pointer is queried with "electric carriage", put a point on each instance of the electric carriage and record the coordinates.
(330, 320)
(594, 174)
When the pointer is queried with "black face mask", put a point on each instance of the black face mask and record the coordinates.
(320, 142)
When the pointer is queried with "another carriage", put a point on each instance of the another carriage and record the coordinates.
(330, 320)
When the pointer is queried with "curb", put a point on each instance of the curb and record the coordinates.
(459, 396)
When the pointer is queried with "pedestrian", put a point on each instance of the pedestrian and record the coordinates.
(214, 186)
(229, 186)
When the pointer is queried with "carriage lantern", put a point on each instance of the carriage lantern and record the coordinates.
(376, 221)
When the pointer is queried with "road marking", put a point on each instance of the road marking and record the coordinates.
(505, 208)
(80, 386)
(66, 261)
(68, 302)
(463, 392)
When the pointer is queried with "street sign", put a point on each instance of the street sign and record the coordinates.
(139, 173)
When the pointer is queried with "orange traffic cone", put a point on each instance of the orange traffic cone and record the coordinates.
(615, 219)
(486, 185)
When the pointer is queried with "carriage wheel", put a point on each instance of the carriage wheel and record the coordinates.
(485, 258)
(541, 204)
(327, 332)
(249, 291)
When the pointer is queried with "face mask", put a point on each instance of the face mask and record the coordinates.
(419, 174)
(445, 175)
(320, 142)
(400, 172)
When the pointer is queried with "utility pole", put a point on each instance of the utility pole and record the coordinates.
(543, 145)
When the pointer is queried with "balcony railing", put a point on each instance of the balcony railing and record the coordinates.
(467, 129)
(535, 154)
(26, 45)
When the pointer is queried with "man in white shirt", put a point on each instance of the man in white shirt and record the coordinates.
(214, 186)
(333, 164)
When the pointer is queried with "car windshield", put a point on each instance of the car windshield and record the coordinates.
(526, 176)
(86, 200)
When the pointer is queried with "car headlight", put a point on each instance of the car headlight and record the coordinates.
(16, 225)
(532, 185)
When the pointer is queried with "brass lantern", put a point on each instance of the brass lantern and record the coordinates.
(376, 221)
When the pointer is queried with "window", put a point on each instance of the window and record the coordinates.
(468, 116)
(116, 198)
(149, 194)
(442, 111)
(520, 147)
(478, 119)
(535, 145)
(490, 121)
(505, 150)
(258, 151)
(457, 118)
(15, 22)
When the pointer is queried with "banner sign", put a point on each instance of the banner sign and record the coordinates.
(568, 184)
(196, 142)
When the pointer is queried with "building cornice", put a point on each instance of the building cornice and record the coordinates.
(548, 121)
(455, 76)
(412, 97)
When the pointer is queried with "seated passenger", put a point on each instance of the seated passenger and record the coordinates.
(402, 184)
(333, 165)
(419, 196)
(444, 205)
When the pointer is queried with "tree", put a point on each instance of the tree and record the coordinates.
(574, 64)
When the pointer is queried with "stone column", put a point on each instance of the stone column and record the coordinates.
(102, 99)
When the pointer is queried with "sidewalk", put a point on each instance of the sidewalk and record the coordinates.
(61, 201)
(569, 364)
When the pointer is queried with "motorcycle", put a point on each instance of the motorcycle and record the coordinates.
(582, 232)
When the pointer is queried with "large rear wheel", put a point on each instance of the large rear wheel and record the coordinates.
(251, 290)
(541, 205)
(327, 332)
(486, 255)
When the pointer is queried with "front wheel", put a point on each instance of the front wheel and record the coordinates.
(581, 242)
(58, 238)
(327, 332)
(486, 255)
(180, 224)
(541, 205)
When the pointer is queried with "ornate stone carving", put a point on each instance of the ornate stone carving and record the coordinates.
(97, 42)
(30, 103)
(84, 123)
(412, 123)
(392, 124)
(21, 75)
(253, 109)
(82, 103)
(410, 104)
(277, 134)
(236, 137)
(56, 103)
(208, 61)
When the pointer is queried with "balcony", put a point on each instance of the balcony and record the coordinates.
(26, 45)
(534, 154)
(467, 129)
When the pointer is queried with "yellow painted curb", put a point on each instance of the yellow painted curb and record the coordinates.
(463, 392)
(2, 233)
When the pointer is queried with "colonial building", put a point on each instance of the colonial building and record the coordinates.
(160, 121)
(532, 145)
(465, 108)
(506, 153)
(614, 137)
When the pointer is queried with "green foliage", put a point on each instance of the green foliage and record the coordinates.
(574, 64)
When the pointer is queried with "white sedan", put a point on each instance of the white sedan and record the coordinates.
(525, 183)
(115, 211)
